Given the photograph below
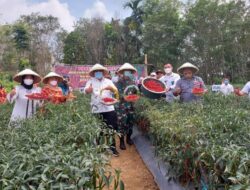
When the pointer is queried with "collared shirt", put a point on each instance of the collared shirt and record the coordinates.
(186, 86)
(170, 80)
(98, 93)
(246, 89)
(226, 89)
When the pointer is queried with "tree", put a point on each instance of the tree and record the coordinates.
(162, 34)
(74, 49)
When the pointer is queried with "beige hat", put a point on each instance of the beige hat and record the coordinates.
(97, 67)
(187, 65)
(52, 74)
(127, 66)
(18, 77)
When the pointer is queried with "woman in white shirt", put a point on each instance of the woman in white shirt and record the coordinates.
(24, 108)
(98, 86)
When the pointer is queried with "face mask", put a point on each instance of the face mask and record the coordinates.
(53, 83)
(127, 73)
(226, 82)
(98, 75)
(28, 81)
(168, 70)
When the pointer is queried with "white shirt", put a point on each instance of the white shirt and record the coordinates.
(23, 107)
(96, 105)
(170, 80)
(246, 89)
(226, 89)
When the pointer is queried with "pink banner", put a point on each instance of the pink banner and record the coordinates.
(78, 74)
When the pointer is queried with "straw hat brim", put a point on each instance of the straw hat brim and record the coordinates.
(18, 77)
(127, 67)
(183, 67)
(50, 75)
(98, 67)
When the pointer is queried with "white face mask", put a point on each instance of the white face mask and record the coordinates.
(53, 82)
(168, 70)
(28, 81)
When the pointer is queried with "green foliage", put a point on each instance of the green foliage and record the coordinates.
(21, 37)
(208, 141)
(74, 48)
(57, 149)
(24, 63)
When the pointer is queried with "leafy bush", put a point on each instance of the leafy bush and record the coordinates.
(57, 149)
(206, 143)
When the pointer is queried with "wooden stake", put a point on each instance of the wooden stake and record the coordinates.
(146, 64)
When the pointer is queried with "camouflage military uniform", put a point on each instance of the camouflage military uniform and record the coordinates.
(125, 110)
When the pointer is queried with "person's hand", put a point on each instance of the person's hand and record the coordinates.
(13, 93)
(89, 90)
(177, 91)
(167, 89)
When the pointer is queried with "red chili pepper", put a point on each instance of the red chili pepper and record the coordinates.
(108, 99)
(154, 86)
(132, 97)
(197, 90)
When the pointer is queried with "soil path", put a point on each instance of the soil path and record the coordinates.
(134, 173)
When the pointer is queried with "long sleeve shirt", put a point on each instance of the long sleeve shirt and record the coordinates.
(23, 108)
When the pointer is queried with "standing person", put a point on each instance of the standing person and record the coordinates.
(95, 85)
(24, 108)
(226, 88)
(169, 79)
(125, 110)
(152, 75)
(159, 74)
(185, 85)
(51, 82)
(244, 91)
(64, 85)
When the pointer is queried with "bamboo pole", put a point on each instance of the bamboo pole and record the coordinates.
(146, 64)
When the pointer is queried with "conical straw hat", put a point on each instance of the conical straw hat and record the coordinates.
(127, 66)
(97, 67)
(52, 74)
(18, 76)
(187, 65)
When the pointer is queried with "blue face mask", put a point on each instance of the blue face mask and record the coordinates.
(127, 73)
(98, 75)
(226, 82)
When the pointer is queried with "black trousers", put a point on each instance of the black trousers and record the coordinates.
(110, 118)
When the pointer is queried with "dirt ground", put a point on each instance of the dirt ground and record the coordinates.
(134, 173)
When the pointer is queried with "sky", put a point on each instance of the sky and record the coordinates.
(67, 11)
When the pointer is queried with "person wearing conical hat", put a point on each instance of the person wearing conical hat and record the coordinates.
(169, 79)
(99, 86)
(51, 81)
(188, 81)
(125, 110)
(24, 108)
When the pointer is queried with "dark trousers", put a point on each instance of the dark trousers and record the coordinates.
(110, 119)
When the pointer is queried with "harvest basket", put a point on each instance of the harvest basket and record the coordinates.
(131, 93)
(153, 88)
(108, 100)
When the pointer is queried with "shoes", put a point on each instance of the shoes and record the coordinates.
(114, 152)
(122, 143)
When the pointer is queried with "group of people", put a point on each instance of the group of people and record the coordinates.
(29, 84)
(119, 116)
(182, 86)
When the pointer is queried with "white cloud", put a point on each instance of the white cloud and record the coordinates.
(10, 10)
(98, 10)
